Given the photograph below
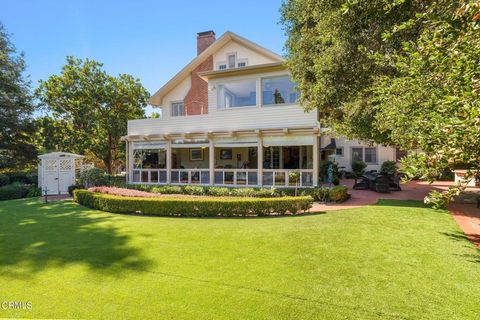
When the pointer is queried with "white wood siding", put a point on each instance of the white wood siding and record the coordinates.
(288, 116)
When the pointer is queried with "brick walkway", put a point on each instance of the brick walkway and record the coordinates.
(466, 215)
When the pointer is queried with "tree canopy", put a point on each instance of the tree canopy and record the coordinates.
(90, 109)
(403, 73)
(16, 107)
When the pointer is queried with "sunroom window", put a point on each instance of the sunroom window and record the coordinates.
(278, 90)
(237, 94)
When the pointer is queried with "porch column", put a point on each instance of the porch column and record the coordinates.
(130, 161)
(211, 161)
(169, 161)
(260, 161)
(315, 160)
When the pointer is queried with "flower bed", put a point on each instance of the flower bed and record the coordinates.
(335, 194)
(124, 192)
(198, 206)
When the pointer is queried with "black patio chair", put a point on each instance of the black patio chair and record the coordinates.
(363, 184)
(381, 184)
(395, 183)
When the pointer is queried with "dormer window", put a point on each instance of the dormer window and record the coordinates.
(222, 67)
(242, 64)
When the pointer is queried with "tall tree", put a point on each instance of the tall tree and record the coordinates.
(16, 107)
(93, 107)
(404, 73)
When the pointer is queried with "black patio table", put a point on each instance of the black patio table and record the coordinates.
(377, 182)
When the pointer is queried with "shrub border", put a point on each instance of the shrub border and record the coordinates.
(203, 207)
(335, 193)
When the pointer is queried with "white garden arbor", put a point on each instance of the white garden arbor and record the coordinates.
(57, 171)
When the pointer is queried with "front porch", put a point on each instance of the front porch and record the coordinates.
(247, 162)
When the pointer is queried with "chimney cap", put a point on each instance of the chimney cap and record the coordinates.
(206, 33)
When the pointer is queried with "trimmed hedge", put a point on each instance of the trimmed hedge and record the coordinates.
(200, 207)
(336, 193)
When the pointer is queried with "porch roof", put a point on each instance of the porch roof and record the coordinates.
(222, 134)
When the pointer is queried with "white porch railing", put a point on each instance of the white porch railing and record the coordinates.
(281, 177)
(236, 177)
(156, 176)
(190, 176)
(225, 177)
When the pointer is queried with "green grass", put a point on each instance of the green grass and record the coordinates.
(394, 260)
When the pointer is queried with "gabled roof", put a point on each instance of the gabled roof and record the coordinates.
(228, 36)
(56, 155)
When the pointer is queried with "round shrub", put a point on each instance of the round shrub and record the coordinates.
(74, 187)
(94, 177)
(202, 206)
(358, 167)
(338, 194)
(4, 179)
(34, 192)
(389, 167)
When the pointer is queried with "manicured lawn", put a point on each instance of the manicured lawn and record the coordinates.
(395, 260)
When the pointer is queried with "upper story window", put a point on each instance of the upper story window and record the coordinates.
(237, 94)
(278, 90)
(178, 109)
(232, 61)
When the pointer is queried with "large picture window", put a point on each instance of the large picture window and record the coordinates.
(278, 90)
(365, 154)
(357, 154)
(237, 94)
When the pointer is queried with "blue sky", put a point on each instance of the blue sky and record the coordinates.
(151, 40)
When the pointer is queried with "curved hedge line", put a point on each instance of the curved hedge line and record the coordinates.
(201, 207)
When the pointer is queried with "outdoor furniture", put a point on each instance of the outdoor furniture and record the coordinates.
(377, 182)
(363, 184)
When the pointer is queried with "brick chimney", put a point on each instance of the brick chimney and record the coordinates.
(196, 100)
(204, 40)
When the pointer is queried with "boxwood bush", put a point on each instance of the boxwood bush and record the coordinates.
(205, 206)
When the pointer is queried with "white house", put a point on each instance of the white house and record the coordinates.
(231, 117)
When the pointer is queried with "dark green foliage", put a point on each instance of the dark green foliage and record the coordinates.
(389, 167)
(91, 108)
(34, 192)
(202, 207)
(15, 190)
(94, 177)
(402, 73)
(4, 179)
(74, 187)
(17, 128)
(21, 177)
(358, 167)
